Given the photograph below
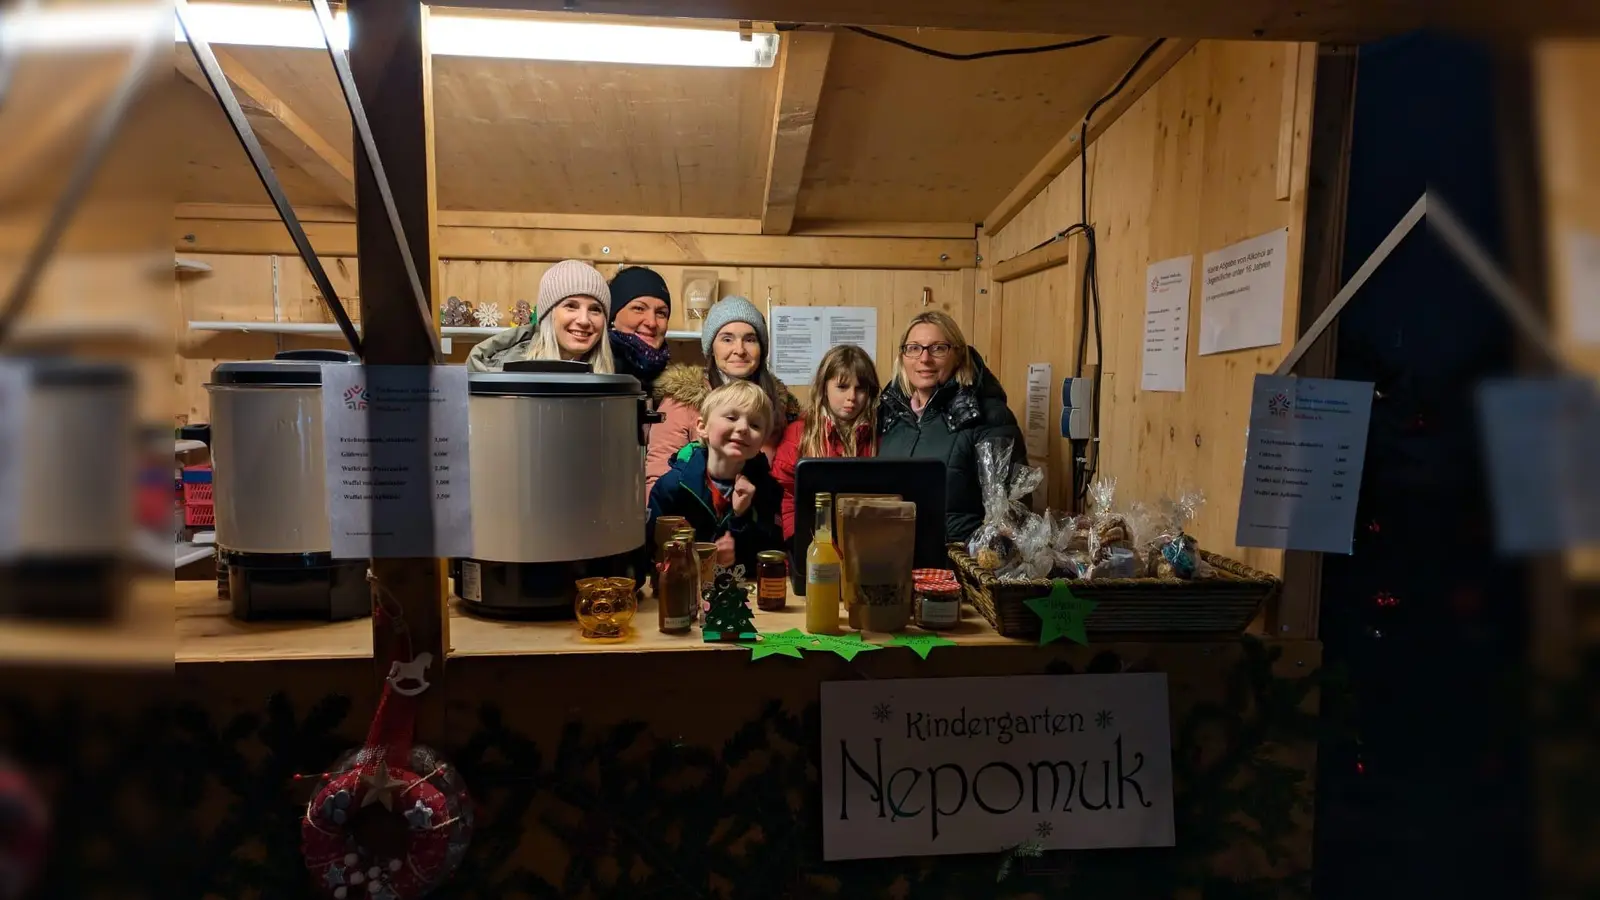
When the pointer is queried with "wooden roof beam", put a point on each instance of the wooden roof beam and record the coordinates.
(802, 66)
(1069, 147)
(1332, 21)
(276, 123)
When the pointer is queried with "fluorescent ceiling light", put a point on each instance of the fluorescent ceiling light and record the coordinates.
(501, 38)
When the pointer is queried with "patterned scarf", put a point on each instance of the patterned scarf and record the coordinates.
(637, 358)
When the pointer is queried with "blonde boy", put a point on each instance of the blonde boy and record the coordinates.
(721, 484)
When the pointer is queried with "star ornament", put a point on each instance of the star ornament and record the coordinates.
(920, 644)
(783, 643)
(380, 787)
(1062, 614)
(848, 646)
(419, 817)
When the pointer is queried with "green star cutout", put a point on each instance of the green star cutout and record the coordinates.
(846, 645)
(920, 644)
(1062, 615)
(783, 643)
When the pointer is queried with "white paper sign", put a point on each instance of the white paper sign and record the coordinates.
(1541, 440)
(1036, 431)
(931, 766)
(1302, 464)
(1583, 285)
(395, 439)
(15, 383)
(1166, 324)
(1241, 300)
(802, 335)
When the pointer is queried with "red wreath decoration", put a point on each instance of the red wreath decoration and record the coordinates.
(24, 830)
(393, 821)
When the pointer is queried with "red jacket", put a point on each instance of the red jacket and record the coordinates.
(788, 456)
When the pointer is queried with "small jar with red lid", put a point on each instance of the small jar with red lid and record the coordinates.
(938, 599)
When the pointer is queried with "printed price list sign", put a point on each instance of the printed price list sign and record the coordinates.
(1303, 462)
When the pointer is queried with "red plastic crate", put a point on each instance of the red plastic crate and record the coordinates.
(197, 507)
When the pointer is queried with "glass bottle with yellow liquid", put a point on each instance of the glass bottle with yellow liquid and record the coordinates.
(822, 573)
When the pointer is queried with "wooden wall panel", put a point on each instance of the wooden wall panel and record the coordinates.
(898, 296)
(1188, 169)
(1565, 74)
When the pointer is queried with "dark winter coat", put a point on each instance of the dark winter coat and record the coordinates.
(952, 425)
(683, 491)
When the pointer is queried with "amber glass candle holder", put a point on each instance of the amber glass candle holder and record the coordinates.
(605, 607)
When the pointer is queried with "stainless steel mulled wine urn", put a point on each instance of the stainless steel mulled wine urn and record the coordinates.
(73, 495)
(270, 493)
(557, 486)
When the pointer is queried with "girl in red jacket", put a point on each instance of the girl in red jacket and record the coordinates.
(840, 420)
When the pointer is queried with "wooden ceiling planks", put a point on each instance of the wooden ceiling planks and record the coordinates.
(909, 137)
(213, 167)
(899, 137)
(601, 139)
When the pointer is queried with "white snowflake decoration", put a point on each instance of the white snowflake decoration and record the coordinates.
(487, 315)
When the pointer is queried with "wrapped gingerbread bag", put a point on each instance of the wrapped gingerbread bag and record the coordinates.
(1170, 552)
(1069, 543)
(1113, 546)
(1008, 539)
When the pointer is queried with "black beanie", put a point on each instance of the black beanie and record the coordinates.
(634, 282)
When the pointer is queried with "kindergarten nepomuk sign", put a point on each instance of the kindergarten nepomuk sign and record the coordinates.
(930, 766)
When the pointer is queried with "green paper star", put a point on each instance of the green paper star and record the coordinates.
(848, 646)
(784, 643)
(1062, 614)
(920, 644)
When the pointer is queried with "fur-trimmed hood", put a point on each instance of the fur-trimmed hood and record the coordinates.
(683, 382)
(686, 383)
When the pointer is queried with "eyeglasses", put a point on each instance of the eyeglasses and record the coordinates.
(937, 351)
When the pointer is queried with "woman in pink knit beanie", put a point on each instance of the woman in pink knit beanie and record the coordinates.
(570, 321)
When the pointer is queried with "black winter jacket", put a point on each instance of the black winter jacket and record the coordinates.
(952, 425)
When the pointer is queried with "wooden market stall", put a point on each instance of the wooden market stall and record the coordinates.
(853, 172)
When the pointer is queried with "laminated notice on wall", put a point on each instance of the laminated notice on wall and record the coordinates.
(802, 335)
(1166, 324)
(395, 440)
(1581, 285)
(1037, 417)
(1241, 296)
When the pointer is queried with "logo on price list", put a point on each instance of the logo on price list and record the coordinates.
(1279, 405)
(355, 397)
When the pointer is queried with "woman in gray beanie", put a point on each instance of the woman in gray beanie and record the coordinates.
(734, 338)
(569, 323)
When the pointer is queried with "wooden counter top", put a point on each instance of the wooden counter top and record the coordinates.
(206, 633)
(138, 639)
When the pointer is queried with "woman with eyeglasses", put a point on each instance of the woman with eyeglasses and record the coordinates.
(941, 403)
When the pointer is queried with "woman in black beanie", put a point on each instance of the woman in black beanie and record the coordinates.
(641, 304)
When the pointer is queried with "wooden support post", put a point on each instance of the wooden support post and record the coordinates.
(1298, 609)
(392, 69)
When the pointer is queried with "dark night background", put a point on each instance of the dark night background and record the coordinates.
(1429, 797)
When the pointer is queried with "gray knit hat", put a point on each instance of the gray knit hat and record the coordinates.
(570, 278)
(732, 309)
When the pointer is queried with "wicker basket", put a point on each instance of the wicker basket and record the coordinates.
(1171, 607)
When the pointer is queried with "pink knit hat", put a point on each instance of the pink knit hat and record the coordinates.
(570, 278)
